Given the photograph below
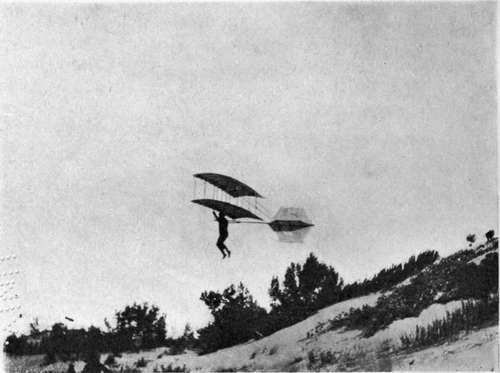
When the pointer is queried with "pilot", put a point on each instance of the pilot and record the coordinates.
(221, 219)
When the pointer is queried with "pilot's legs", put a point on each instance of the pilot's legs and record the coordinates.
(222, 247)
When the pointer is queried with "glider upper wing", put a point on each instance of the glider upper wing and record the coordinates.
(233, 211)
(229, 185)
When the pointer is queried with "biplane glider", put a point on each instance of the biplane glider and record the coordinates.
(241, 203)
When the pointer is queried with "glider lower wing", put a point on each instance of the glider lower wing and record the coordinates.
(233, 211)
(229, 185)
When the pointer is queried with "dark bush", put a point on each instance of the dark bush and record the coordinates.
(389, 277)
(141, 363)
(237, 318)
(490, 235)
(170, 368)
(71, 368)
(110, 360)
(137, 326)
(471, 238)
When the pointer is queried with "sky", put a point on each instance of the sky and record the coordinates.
(379, 119)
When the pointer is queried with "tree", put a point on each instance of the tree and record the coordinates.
(140, 326)
(319, 284)
(236, 318)
(488, 275)
(331, 289)
(490, 235)
(188, 336)
(92, 353)
(58, 342)
(13, 345)
(275, 292)
(306, 288)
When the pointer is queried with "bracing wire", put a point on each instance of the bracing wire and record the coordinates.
(262, 211)
(264, 208)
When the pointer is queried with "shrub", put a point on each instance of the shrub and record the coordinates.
(160, 355)
(383, 355)
(141, 363)
(311, 358)
(454, 277)
(391, 276)
(471, 238)
(71, 368)
(327, 357)
(171, 368)
(127, 369)
(176, 349)
(490, 235)
(296, 360)
(110, 360)
(357, 359)
(49, 358)
(471, 314)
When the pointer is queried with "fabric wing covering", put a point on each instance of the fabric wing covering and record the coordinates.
(229, 185)
(233, 211)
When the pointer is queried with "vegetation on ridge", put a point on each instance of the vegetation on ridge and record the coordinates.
(305, 288)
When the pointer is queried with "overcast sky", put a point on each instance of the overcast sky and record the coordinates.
(378, 119)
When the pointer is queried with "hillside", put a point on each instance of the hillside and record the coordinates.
(290, 350)
(443, 318)
(312, 345)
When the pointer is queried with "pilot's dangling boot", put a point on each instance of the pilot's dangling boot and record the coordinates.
(221, 250)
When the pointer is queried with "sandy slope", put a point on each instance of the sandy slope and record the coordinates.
(477, 351)
(288, 349)
(274, 352)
